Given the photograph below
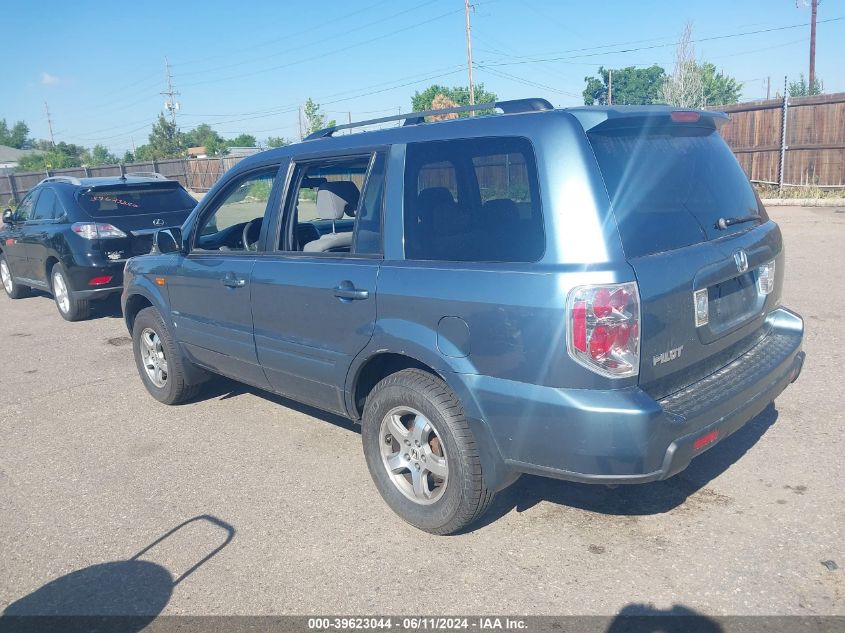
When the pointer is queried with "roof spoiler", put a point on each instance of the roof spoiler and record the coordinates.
(593, 119)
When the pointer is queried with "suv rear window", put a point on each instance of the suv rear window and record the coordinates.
(473, 200)
(135, 200)
(670, 184)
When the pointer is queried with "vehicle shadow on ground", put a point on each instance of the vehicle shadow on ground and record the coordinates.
(124, 595)
(221, 388)
(108, 308)
(633, 500)
(644, 618)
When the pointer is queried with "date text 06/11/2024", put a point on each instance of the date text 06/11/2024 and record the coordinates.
(416, 623)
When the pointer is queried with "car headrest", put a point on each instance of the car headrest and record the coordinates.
(432, 197)
(335, 198)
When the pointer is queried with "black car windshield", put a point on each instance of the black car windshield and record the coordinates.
(670, 184)
(135, 200)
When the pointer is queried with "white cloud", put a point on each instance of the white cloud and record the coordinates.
(49, 80)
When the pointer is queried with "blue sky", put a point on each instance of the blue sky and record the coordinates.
(245, 66)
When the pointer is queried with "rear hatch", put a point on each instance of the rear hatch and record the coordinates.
(676, 189)
(139, 209)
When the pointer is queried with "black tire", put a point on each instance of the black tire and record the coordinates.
(174, 390)
(465, 497)
(14, 290)
(74, 308)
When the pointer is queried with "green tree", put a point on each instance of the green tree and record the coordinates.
(59, 157)
(100, 155)
(204, 136)
(631, 86)
(17, 136)
(164, 141)
(719, 88)
(801, 88)
(128, 157)
(459, 95)
(276, 141)
(243, 140)
(314, 118)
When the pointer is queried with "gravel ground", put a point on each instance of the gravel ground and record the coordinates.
(93, 470)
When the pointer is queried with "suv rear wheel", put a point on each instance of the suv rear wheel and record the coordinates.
(421, 453)
(158, 360)
(71, 308)
(13, 289)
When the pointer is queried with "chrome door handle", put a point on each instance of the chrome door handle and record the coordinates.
(234, 282)
(350, 293)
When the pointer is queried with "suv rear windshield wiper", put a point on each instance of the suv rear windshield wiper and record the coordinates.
(724, 223)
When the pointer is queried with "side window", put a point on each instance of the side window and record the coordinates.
(324, 204)
(472, 200)
(235, 223)
(24, 210)
(47, 205)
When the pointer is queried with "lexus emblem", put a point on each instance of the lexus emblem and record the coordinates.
(160, 222)
(741, 260)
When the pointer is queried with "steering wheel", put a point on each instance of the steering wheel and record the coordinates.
(249, 228)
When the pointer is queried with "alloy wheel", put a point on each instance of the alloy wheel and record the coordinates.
(60, 292)
(153, 357)
(6, 277)
(413, 455)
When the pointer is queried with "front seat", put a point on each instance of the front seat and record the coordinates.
(334, 200)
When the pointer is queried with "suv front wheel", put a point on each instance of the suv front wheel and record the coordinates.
(421, 453)
(158, 360)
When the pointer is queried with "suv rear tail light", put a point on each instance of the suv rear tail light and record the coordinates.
(93, 231)
(685, 116)
(766, 278)
(604, 328)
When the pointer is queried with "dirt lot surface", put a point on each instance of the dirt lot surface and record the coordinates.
(93, 470)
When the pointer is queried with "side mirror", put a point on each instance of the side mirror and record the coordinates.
(167, 241)
(8, 216)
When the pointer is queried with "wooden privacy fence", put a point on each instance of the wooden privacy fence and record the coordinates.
(791, 142)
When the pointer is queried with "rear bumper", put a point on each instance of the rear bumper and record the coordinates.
(625, 436)
(81, 276)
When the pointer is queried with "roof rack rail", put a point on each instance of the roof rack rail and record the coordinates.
(70, 179)
(415, 118)
(146, 174)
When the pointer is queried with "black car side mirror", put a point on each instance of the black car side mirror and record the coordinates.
(167, 241)
(8, 216)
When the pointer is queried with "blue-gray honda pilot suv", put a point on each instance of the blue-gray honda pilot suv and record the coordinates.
(590, 294)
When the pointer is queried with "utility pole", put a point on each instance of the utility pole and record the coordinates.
(467, 7)
(768, 87)
(609, 87)
(49, 124)
(171, 105)
(813, 45)
(299, 121)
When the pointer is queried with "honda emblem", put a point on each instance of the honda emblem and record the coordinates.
(741, 260)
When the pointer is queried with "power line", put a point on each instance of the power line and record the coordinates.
(531, 60)
(326, 54)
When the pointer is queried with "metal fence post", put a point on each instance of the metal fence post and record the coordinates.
(122, 170)
(87, 171)
(155, 165)
(783, 136)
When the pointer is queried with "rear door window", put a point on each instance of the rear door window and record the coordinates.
(473, 200)
(670, 184)
(48, 206)
(135, 200)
